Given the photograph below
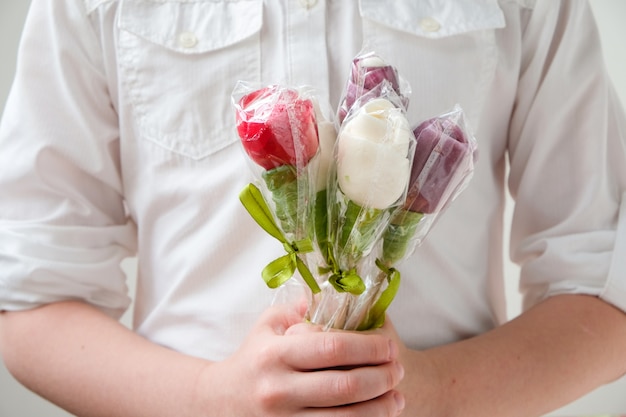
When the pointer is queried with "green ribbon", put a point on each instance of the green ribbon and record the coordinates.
(347, 281)
(342, 281)
(376, 315)
(282, 269)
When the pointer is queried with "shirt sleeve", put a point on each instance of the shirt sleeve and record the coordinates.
(567, 150)
(64, 228)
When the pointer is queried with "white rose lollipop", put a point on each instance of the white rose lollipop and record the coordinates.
(368, 181)
(373, 169)
(372, 155)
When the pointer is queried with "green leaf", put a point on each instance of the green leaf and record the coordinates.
(398, 235)
(321, 224)
(283, 184)
(359, 229)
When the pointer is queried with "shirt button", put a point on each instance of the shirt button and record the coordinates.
(428, 24)
(308, 4)
(187, 40)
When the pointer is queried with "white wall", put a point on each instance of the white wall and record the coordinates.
(15, 401)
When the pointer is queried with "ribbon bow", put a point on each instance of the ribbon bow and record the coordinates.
(343, 281)
(282, 269)
(347, 281)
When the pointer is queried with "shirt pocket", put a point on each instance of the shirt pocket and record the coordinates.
(179, 61)
(445, 49)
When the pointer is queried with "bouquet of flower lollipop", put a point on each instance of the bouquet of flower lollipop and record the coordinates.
(348, 198)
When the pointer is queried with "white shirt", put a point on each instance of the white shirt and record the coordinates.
(118, 138)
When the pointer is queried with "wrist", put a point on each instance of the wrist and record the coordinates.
(426, 388)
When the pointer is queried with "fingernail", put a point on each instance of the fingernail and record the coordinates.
(393, 350)
(399, 399)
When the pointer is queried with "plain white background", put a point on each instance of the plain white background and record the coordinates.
(16, 401)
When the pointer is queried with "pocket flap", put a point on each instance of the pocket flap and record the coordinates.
(435, 18)
(192, 26)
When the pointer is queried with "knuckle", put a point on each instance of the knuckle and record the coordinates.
(346, 385)
(331, 347)
(269, 356)
(268, 395)
(265, 357)
(379, 349)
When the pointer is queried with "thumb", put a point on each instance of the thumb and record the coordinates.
(278, 318)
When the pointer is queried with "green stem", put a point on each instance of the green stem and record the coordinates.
(398, 235)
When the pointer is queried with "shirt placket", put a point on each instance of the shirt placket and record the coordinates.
(306, 44)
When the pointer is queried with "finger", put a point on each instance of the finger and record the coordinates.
(320, 350)
(331, 388)
(278, 318)
(390, 404)
(302, 328)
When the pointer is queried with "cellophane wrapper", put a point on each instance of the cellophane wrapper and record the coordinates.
(282, 130)
(365, 197)
(443, 165)
(368, 181)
